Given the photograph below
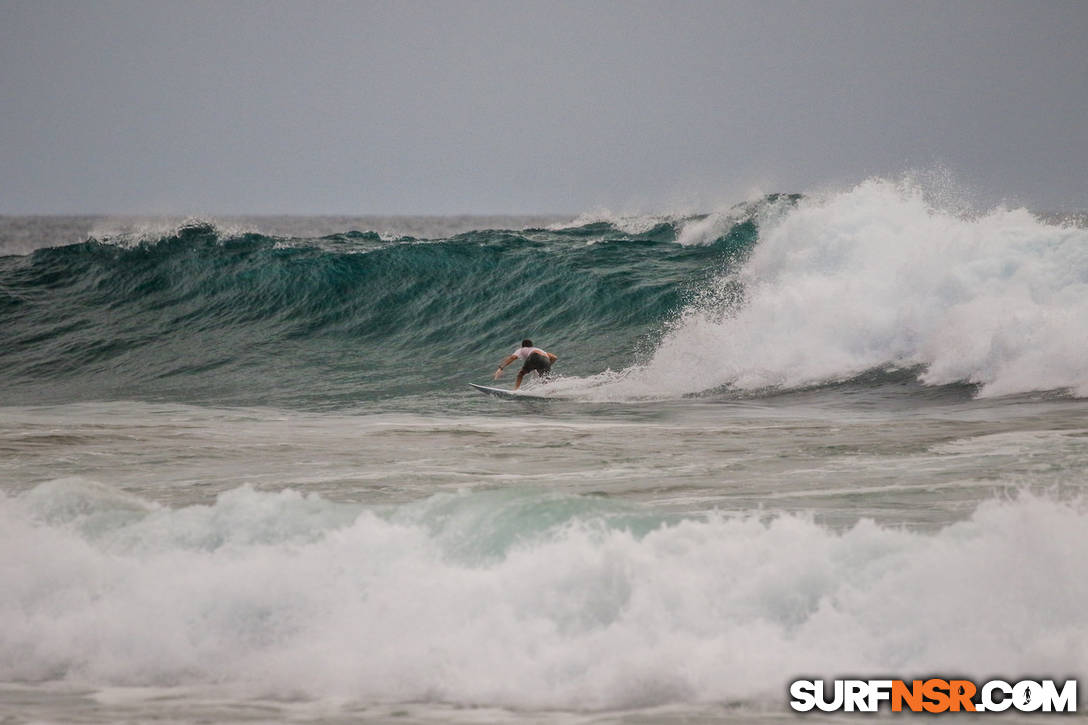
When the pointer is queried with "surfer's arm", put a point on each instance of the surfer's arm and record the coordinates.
(551, 357)
(503, 364)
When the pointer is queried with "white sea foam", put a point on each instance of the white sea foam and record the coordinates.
(479, 598)
(878, 276)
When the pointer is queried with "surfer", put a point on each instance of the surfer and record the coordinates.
(535, 359)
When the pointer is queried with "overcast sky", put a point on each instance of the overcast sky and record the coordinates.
(512, 107)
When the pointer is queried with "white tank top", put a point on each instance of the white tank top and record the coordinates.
(523, 353)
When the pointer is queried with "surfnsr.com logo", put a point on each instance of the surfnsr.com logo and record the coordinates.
(933, 695)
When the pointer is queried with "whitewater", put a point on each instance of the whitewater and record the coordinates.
(243, 477)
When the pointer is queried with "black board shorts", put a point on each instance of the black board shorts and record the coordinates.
(541, 363)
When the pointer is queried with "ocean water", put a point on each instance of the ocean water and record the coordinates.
(244, 478)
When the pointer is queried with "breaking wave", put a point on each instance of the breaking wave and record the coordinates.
(778, 293)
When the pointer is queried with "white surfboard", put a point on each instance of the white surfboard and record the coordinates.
(510, 394)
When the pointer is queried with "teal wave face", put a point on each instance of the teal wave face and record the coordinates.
(200, 314)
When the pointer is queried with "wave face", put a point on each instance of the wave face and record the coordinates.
(522, 599)
(778, 293)
(203, 313)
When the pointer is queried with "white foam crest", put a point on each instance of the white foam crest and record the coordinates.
(135, 231)
(705, 230)
(626, 223)
(581, 614)
(876, 276)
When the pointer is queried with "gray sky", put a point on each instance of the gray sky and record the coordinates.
(513, 107)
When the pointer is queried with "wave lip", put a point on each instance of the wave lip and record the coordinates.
(877, 277)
